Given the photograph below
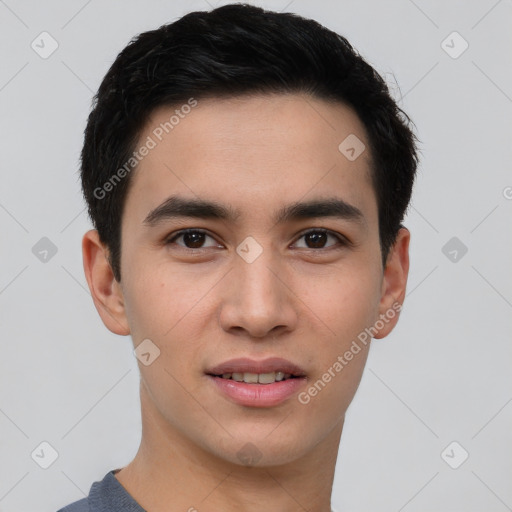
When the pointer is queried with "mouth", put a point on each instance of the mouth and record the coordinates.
(257, 383)
(256, 378)
(251, 371)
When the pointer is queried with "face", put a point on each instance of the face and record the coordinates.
(247, 234)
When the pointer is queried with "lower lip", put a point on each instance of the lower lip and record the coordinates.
(258, 395)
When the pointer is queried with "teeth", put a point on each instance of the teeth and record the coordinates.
(251, 378)
(266, 378)
(257, 378)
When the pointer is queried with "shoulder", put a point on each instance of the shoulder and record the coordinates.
(78, 506)
(93, 501)
(106, 495)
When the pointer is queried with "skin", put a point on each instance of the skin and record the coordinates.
(298, 301)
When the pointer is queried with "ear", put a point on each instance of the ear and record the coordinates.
(393, 284)
(106, 292)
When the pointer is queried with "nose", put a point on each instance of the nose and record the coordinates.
(257, 299)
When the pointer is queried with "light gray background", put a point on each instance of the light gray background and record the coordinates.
(443, 375)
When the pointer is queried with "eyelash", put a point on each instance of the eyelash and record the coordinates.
(342, 241)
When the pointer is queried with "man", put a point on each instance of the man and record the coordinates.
(247, 173)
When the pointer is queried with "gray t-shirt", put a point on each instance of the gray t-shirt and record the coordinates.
(107, 495)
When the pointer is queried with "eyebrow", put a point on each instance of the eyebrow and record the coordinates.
(176, 206)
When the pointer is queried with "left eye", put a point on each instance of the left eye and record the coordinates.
(317, 239)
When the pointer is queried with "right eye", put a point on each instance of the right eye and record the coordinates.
(191, 239)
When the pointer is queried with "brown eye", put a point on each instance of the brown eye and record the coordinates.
(318, 238)
(315, 240)
(192, 239)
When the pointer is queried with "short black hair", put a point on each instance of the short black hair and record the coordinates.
(231, 51)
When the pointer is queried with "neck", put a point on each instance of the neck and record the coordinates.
(171, 473)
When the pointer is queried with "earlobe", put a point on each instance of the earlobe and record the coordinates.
(394, 284)
(105, 290)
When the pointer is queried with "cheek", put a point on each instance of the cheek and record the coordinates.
(336, 381)
(344, 303)
(346, 307)
(158, 300)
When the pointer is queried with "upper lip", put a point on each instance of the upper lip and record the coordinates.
(246, 365)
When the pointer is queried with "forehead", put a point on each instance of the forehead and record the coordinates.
(252, 151)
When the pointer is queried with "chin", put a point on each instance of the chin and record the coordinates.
(262, 451)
